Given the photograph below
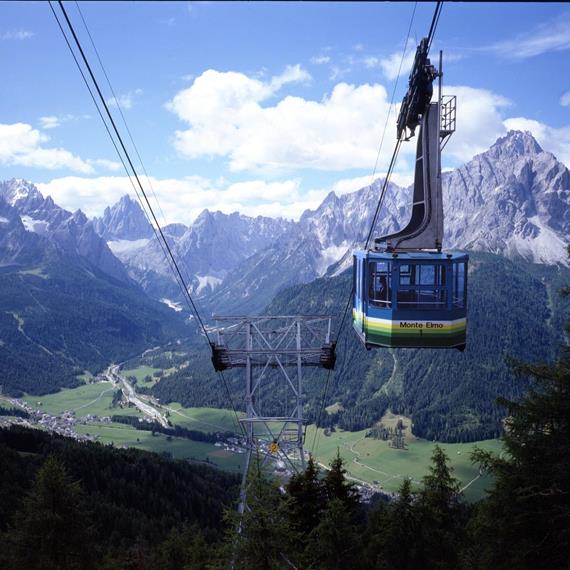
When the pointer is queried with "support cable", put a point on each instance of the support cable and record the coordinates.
(182, 283)
(114, 143)
(141, 188)
(162, 239)
(120, 111)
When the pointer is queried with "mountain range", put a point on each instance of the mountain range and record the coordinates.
(67, 304)
(32, 225)
(513, 200)
(103, 279)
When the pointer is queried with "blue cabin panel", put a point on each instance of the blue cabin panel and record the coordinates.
(410, 300)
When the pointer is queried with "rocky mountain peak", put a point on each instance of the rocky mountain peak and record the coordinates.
(21, 193)
(175, 230)
(124, 220)
(514, 145)
(513, 199)
(69, 235)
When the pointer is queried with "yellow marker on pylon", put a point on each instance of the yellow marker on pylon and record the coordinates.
(273, 447)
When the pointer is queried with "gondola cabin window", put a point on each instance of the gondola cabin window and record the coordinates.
(380, 290)
(459, 289)
(422, 286)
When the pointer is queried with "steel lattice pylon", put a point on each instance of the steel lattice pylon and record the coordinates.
(273, 351)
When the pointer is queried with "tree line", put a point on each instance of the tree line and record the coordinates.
(172, 430)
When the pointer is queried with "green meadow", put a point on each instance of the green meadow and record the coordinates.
(373, 460)
(121, 435)
(92, 399)
(202, 419)
(96, 399)
(140, 373)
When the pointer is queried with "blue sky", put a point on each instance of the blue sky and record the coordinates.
(265, 107)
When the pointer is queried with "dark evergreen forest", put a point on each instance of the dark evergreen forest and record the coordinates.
(123, 500)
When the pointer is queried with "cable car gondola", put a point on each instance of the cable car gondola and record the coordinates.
(407, 291)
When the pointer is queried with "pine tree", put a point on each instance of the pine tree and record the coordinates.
(337, 486)
(402, 530)
(334, 544)
(375, 536)
(307, 498)
(441, 515)
(52, 529)
(184, 548)
(262, 537)
(525, 522)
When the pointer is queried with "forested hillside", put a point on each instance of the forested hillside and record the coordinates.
(99, 502)
(451, 396)
(58, 319)
(70, 505)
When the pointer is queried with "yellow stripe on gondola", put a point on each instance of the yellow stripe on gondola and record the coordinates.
(383, 325)
(387, 326)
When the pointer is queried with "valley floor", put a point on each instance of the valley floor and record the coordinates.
(368, 460)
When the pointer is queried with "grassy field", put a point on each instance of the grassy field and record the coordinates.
(180, 448)
(96, 399)
(92, 399)
(202, 419)
(141, 373)
(373, 460)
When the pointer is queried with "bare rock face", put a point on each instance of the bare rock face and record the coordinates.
(207, 251)
(125, 220)
(513, 200)
(39, 222)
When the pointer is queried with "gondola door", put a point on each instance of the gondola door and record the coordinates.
(359, 306)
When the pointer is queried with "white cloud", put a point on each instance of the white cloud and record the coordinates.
(126, 100)
(391, 65)
(50, 122)
(480, 115)
(320, 59)
(291, 74)
(111, 165)
(338, 72)
(54, 121)
(565, 99)
(182, 200)
(227, 118)
(20, 144)
(371, 61)
(16, 35)
(547, 37)
(348, 185)
(481, 122)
